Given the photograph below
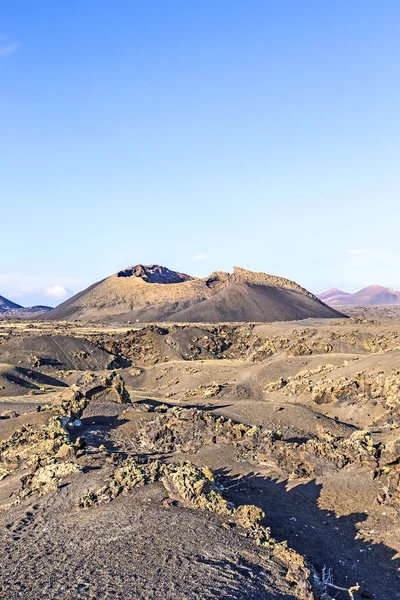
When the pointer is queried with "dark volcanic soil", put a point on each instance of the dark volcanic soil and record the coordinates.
(212, 461)
(132, 548)
(149, 294)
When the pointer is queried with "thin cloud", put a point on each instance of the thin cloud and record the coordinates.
(374, 254)
(8, 49)
(200, 256)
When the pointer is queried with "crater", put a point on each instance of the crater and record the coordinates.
(155, 274)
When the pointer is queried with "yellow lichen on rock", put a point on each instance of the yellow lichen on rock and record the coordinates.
(45, 479)
(30, 443)
(197, 488)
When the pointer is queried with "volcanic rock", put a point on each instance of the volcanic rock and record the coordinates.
(153, 293)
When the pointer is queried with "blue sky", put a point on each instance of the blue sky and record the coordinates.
(198, 135)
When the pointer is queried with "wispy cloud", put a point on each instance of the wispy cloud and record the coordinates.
(8, 48)
(357, 251)
(373, 254)
(200, 256)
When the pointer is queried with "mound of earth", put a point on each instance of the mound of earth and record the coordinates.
(17, 381)
(152, 293)
(59, 352)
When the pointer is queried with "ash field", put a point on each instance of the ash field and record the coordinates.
(186, 459)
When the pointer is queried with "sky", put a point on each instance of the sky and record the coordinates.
(198, 135)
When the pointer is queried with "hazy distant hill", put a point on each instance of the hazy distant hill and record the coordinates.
(372, 295)
(153, 293)
(12, 310)
(334, 297)
(7, 304)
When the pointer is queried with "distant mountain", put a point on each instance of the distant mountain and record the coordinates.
(372, 295)
(7, 304)
(34, 309)
(11, 310)
(152, 293)
(334, 297)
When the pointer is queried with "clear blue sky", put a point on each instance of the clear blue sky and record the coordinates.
(198, 135)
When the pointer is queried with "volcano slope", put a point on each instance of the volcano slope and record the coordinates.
(201, 461)
(152, 293)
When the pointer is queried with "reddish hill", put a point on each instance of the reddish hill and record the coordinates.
(372, 295)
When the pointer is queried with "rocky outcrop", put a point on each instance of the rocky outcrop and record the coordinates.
(154, 274)
(91, 387)
(197, 488)
(31, 444)
(188, 430)
(46, 479)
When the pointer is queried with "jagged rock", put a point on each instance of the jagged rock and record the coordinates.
(360, 388)
(187, 430)
(389, 474)
(35, 361)
(209, 390)
(130, 474)
(30, 444)
(45, 479)
(197, 488)
(276, 385)
(313, 457)
(248, 515)
(72, 403)
(91, 387)
(9, 414)
(304, 349)
(66, 452)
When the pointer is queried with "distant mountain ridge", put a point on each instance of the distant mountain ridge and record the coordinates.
(373, 295)
(152, 293)
(6, 304)
(9, 309)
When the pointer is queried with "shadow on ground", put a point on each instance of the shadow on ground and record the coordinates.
(157, 403)
(326, 540)
(31, 377)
